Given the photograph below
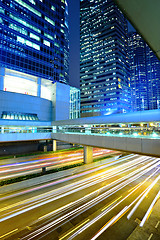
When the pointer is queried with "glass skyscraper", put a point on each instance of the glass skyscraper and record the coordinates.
(145, 74)
(34, 38)
(104, 62)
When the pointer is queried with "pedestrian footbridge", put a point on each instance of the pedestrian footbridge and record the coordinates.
(137, 132)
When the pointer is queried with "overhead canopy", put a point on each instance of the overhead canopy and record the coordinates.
(144, 15)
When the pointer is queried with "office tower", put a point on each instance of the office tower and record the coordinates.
(153, 77)
(104, 69)
(145, 74)
(34, 38)
(34, 56)
(139, 87)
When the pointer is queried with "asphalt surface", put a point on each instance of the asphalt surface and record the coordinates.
(78, 206)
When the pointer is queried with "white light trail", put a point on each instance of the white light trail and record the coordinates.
(112, 221)
(75, 187)
(149, 210)
(110, 208)
(88, 205)
(141, 199)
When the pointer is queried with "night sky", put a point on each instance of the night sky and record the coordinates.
(74, 37)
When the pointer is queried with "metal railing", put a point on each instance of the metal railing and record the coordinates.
(147, 132)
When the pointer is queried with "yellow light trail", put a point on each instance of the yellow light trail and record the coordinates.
(74, 229)
(111, 203)
(9, 233)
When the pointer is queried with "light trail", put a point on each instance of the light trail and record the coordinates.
(108, 164)
(85, 207)
(150, 164)
(95, 153)
(74, 229)
(149, 209)
(64, 194)
(45, 164)
(111, 208)
(141, 199)
(112, 221)
(11, 232)
(78, 187)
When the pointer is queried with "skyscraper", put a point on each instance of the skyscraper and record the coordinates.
(153, 77)
(145, 74)
(34, 37)
(139, 87)
(34, 57)
(104, 69)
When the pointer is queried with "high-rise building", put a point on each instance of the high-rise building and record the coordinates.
(104, 66)
(137, 59)
(153, 77)
(144, 73)
(34, 38)
(34, 59)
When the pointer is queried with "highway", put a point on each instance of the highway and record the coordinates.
(106, 201)
(11, 168)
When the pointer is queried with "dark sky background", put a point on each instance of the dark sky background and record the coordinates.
(74, 36)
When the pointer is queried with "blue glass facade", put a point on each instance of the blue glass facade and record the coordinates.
(34, 37)
(145, 74)
(104, 62)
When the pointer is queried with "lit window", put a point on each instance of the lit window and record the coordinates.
(32, 1)
(46, 43)
(34, 36)
(50, 21)
(48, 36)
(56, 44)
(20, 39)
(28, 43)
(53, 8)
(25, 23)
(28, 7)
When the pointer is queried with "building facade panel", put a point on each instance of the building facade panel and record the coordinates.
(15, 106)
(34, 37)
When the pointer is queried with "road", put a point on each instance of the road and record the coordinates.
(11, 168)
(113, 196)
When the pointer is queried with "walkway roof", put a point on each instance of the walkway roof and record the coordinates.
(144, 15)
(134, 117)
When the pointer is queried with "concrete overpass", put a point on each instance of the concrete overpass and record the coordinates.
(137, 132)
(146, 146)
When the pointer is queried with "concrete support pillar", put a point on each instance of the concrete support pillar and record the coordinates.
(2, 74)
(38, 87)
(88, 154)
(54, 145)
(43, 170)
(45, 149)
